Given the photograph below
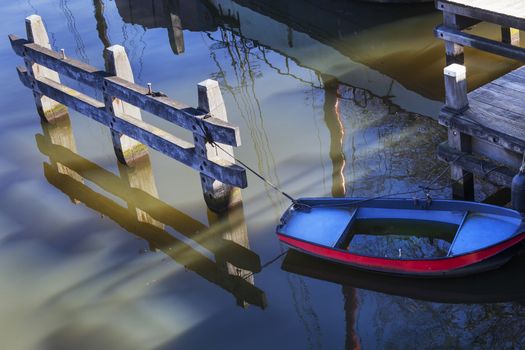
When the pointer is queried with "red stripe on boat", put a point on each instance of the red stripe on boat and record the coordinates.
(429, 265)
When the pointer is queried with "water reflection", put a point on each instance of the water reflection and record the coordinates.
(503, 285)
(231, 264)
(388, 51)
(174, 15)
(480, 311)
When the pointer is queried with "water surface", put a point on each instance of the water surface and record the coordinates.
(335, 99)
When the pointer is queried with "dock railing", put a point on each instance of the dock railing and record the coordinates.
(120, 111)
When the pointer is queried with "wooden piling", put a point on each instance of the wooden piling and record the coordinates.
(126, 149)
(456, 101)
(510, 36)
(454, 52)
(456, 87)
(216, 194)
(47, 108)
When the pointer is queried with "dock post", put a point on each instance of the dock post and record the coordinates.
(48, 109)
(126, 149)
(454, 52)
(216, 194)
(457, 102)
(510, 36)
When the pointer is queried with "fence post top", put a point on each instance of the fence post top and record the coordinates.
(116, 48)
(208, 83)
(455, 70)
(33, 18)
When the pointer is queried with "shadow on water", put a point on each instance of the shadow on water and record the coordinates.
(502, 285)
(232, 264)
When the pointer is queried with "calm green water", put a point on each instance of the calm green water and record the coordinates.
(332, 99)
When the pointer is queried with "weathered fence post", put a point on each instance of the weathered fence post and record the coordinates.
(127, 149)
(457, 101)
(216, 194)
(47, 108)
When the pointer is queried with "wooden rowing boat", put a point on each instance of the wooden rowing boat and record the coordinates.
(404, 236)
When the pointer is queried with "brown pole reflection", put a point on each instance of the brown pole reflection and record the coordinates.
(336, 128)
(146, 216)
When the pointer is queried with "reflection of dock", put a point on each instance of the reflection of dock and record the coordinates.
(486, 132)
(146, 216)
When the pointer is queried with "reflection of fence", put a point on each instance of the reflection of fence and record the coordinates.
(232, 262)
(120, 111)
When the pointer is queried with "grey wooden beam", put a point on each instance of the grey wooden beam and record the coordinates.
(195, 120)
(495, 47)
(485, 170)
(482, 14)
(473, 128)
(147, 134)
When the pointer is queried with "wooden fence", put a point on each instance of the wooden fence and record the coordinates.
(120, 111)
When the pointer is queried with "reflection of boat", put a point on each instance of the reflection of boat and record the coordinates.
(403, 236)
(503, 285)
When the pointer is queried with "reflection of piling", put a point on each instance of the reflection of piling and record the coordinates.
(146, 216)
(140, 176)
(231, 226)
(175, 33)
(120, 111)
(335, 125)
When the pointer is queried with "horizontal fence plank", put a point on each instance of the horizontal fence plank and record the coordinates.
(495, 47)
(145, 133)
(173, 111)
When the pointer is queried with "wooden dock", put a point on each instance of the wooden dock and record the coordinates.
(486, 127)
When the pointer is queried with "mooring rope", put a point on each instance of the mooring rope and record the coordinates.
(212, 142)
(425, 189)
(265, 265)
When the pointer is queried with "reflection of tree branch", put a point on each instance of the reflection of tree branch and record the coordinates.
(72, 26)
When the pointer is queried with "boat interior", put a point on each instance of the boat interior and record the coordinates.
(400, 233)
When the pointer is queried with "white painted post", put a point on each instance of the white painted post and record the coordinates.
(216, 194)
(127, 149)
(456, 87)
(48, 109)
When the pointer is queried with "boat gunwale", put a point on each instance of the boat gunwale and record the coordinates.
(404, 269)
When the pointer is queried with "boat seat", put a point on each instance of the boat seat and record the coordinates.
(480, 230)
(322, 226)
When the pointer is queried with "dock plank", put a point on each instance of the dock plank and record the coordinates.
(496, 112)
